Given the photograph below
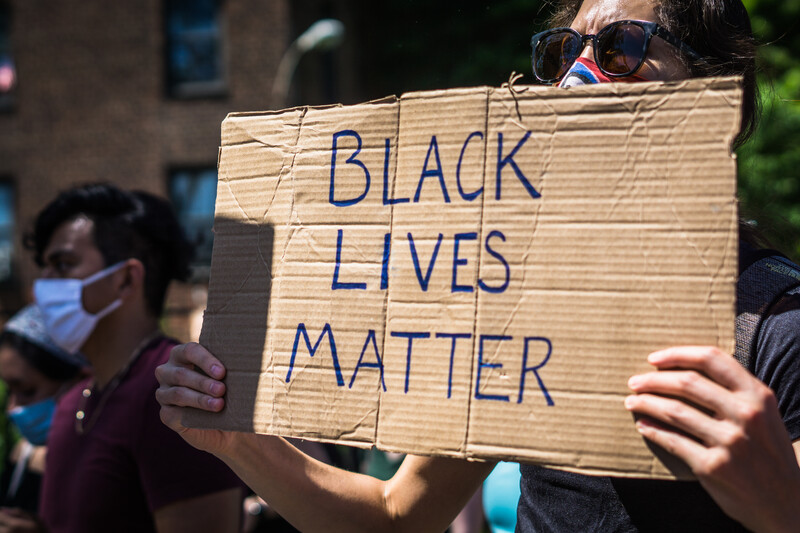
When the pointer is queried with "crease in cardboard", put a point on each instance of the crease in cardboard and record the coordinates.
(488, 94)
(268, 205)
(227, 181)
(394, 141)
(272, 318)
(291, 165)
(265, 261)
(561, 116)
(285, 148)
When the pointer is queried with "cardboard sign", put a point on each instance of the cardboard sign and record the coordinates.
(472, 272)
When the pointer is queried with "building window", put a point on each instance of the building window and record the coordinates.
(194, 48)
(193, 193)
(7, 217)
(8, 72)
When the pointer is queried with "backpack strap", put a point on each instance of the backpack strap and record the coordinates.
(761, 284)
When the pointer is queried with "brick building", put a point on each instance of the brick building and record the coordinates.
(133, 93)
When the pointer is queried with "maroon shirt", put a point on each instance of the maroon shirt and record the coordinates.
(127, 464)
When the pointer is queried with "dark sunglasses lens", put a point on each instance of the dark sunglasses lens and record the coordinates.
(621, 48)
(554, 54)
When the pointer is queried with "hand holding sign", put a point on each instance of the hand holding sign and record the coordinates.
(703, 406)
(184, 382)
(459, 272)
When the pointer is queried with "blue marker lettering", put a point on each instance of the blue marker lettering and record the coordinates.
(426, 172)
(352, 160)
(455, 287)
(387, 250)
(467, 196)
(423, 281)
(378, 361)
(386, 199)
(504, 286)
(410, 335)
(301, 330)
(509, 160)
(482, 365)
(336, 285)
(453, 336)
(535, 369)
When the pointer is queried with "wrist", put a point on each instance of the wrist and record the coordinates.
(787, 517)
(245, 449)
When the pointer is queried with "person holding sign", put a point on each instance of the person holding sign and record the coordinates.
(736, 427)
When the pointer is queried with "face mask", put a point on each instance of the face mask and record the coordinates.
(586, 72)
(33, 421)
(61, 304)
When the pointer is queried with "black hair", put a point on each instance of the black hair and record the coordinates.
(39, 358)
(127, 224)
(718, 30)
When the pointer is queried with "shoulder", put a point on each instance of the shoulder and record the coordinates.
(158, 351)
(780, 329)
(139, 384)
(71, 397)
(785, 312)
(778, 357)
(155, 354)
(768, 306)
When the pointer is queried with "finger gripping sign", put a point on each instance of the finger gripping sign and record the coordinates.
(472, 272)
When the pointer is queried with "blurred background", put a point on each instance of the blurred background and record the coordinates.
(134, 92)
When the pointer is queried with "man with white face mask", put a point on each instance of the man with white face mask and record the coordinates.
(107, 258)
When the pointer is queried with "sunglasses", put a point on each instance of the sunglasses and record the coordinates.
(619, 49)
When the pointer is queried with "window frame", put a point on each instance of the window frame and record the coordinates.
(8, 100)
(201, 262)
(12, 278)
(183, 90)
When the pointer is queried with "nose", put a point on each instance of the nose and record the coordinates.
(588, 50)
(48, 272)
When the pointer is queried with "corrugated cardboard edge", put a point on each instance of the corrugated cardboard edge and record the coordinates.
(212, 420)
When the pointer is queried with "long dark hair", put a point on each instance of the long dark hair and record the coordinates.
(719, 30)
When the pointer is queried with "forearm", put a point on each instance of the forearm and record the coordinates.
(784, 514)
(309, 494)
(218, 512)
(424, 495)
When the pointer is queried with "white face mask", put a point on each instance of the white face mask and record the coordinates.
(61, 302)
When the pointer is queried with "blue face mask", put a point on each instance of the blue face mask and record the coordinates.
(33, 420)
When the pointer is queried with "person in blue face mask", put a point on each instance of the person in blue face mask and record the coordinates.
(36, 372)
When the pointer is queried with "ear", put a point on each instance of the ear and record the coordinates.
(130, 280)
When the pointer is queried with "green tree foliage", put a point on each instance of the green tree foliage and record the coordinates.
(418, 44)
(769, 165)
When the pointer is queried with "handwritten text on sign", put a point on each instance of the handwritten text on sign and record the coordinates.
(432, 169)
(461, 272)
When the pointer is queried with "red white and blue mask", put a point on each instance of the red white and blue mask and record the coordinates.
(586, 72)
